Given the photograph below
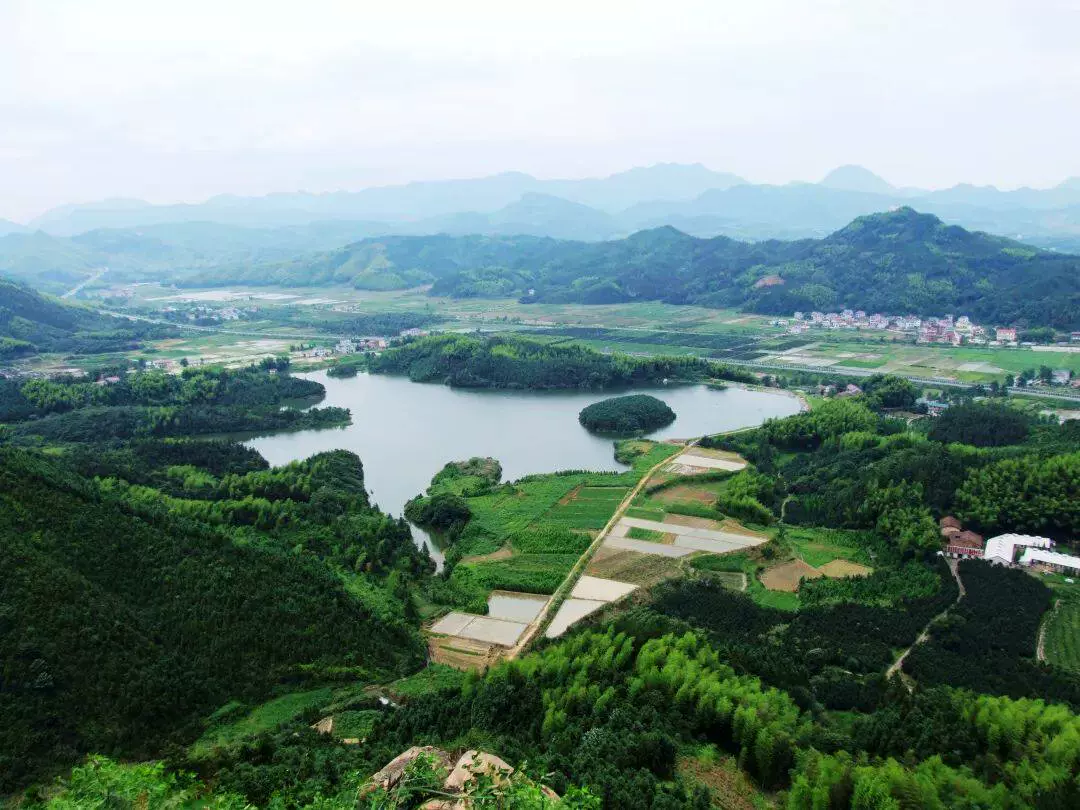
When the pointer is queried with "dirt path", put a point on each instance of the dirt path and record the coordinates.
(1040, 650)
(898, 664)
(567, 585)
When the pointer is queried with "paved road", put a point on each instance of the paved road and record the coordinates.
(98, 274)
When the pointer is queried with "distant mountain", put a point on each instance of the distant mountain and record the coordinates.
(7, 226)
(899, 261)
(856, 178)
(395, 204)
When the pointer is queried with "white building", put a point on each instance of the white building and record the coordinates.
(1002, 549)
(1059, 562)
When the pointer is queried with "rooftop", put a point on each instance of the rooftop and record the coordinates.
(1004, 545)
(1033, 555)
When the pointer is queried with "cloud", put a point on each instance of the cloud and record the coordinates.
(173, 101)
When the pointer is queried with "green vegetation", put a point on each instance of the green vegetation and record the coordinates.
(153, 403)
(509, 361)
(128, 612)
(916, 264)
(637, 533)
(175, 597)
(980, 647)
(1061, 634)
(636, 413)
(981, 425)
(267, 717)
(31, 323)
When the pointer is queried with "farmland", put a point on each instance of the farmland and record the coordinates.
(1061, 638)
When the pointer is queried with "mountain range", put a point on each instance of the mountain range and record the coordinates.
(898, 261)
(138, 241)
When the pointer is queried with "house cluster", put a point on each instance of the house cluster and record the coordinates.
(360, 344)
(946, 329)
(849, 390)
(351, 345)
(203, 314)
(1037, 554)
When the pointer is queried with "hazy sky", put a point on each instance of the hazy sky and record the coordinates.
(182, 100)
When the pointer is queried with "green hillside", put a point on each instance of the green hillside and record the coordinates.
(31, 322)
(899, 261)
(126, 613)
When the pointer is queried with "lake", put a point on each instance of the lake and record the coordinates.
(404, 432)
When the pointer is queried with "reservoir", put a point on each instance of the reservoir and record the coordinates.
(404, 432)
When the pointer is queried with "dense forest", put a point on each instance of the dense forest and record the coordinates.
(127, 612)
(153, 403)
(635, 413)
(510, 361)
(898, 261)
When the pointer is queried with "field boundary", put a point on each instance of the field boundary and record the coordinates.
(544, 619)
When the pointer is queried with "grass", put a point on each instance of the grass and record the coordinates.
(1062, 637)
(818, 546)
(732, 580)
(432, 678)
(637, 533)
(355, 723)
(781, 600)
(266, 717)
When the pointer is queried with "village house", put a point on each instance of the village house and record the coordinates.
(1001, 550)
(1046, 560)
(958, 542)
(1006, 334)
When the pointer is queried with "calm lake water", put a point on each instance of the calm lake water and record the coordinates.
(404, 432)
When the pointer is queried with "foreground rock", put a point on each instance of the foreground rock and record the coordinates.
(426, 769)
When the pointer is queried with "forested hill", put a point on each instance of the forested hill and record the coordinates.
(509, 361)
(31, 322)
(899, 261)
(126, 612)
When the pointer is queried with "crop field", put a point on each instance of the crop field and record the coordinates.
(550, 540)
(527, 573)
(585, 507)
(355, 724)
(1062, 634)
(630, 566)
(637, 533)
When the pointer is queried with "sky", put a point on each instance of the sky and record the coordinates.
(178, 101)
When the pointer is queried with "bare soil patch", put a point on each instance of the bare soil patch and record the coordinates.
(502, 554)
(460, 653)
(785, 577)
(845, 568)
(733, 526)
(709, 452)
(686, 493)
(572, 495)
